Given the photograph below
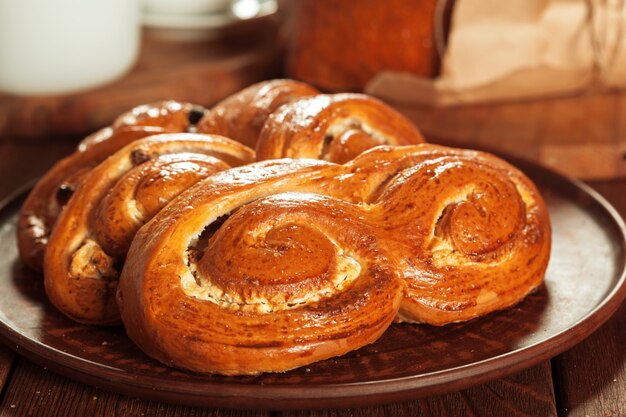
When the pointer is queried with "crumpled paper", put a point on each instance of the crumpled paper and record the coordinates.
(519, 49)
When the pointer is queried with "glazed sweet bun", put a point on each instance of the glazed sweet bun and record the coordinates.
(242, 115)
(47, 199)
(333, 127)
(223, 259)
(290, 119)
(278, 264)
(88, 245)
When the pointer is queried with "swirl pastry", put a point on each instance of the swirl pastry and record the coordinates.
(334, 127)
(242, 115)
(469, 232)
(278, 264)
(88, 245)
(51, 193)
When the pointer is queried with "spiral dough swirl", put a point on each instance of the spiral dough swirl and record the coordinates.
(282, 263)
(87, 248)
(52, 192)
(333, 127)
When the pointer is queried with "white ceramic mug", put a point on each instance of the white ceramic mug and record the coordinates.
(62, 46)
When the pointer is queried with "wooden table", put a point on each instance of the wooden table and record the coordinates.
(587, 380)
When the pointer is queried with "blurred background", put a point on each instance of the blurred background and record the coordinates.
(537, 78)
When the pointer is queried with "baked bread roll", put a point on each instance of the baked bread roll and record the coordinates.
(287, 118)
(352, 124)
(242, 115)
(334, 127)
(88, 245)
(278, 264)
(46, 200)
(470, 233)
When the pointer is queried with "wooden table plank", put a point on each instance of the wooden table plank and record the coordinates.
(35, 391)
(7, 359)
(591, 377)
(527, 393)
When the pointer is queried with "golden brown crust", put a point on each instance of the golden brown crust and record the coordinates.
(87, 248)
(50, 194)
(282, 263)
(334, 127)
(470, 232)
(242, 115)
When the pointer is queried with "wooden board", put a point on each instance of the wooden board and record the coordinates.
(200, 72)
(583, 136)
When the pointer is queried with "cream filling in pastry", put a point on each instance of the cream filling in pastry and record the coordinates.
(338, 128)
(347, 270)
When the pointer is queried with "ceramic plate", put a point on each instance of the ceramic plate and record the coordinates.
(242, 16)
(584, 285)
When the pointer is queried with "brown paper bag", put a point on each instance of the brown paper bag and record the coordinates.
(519, 49)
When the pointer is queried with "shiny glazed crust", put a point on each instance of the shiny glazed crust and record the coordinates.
(242, 115)
(46, 200)
(335, 127)
(87, 247)
(278, 264)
